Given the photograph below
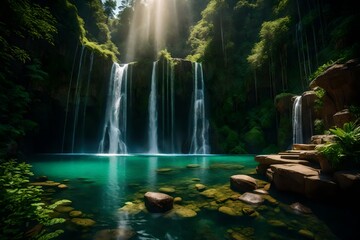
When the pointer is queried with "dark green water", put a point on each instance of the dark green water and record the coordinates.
(100, 185)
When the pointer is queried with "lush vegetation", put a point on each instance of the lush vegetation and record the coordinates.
(21, 206)
(252, 50)
(345, 152)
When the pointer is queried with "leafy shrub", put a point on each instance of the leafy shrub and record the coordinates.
(319, 126)
(20, 203)
(319, 101)
(345, 151)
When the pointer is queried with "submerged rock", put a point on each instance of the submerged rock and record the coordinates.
(226, 166)
(228, 211)
(276, 223)
(298, 207)
(75, 213)
(177, 199)
(114, 234)
(193, 165)
(167, 189)
(62, 186)
(306, 233)
(45, 184)
(132, 208)
(251, 198)
(200, 186)
(164, 170)
(64, 209)
(83, 222)
(242, 183)
(158, 202)
(209, 193)
(250, 212)
(261, 191)
(182, 212)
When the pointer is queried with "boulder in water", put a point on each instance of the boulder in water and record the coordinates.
(158, 202)
(242, 183)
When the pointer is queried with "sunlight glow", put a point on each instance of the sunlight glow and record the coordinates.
(151, 25)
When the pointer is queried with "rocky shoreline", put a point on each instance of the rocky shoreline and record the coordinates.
(305, 171)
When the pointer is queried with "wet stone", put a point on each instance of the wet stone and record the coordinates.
(64, 209)
(62, 186)
(251, 198)
(158, 202)
(193, 166)
(226, 166)
(306, 233)
(83, 222)
(75, 213)
(163, 170)
(299, 208)
(276, 223)
(200, 187)
(228, 211)
(167, 190)
(242, 183)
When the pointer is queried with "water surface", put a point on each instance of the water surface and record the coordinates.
(100, 184)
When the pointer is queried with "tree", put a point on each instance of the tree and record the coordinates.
(109, 8)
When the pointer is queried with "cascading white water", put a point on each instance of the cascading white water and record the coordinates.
(297, 121)
(153, 114)
(114, 133)
(199, 141)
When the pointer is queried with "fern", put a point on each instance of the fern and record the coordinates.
(51, 235)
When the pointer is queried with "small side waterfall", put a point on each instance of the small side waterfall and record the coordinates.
(114, 131)
(297, 120)
(153, 114)
(199, 140)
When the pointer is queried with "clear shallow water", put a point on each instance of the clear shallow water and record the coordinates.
(100, 185)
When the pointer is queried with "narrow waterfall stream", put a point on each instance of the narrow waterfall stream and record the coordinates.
(114, 131)
(297, 120)
(153, 114)
(199, 141)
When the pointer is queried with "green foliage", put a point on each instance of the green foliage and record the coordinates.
(109, 8)
(272, 36)
(255, 137)
(20, 203)
(230, 141)
(319, 101)
(321, 70)
(271, 149)
(345, 152)
(319, 126)
(248, 4)
(355, 111)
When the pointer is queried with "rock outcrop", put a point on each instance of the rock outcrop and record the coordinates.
(341, 83)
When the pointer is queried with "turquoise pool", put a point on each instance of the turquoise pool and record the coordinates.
(110, 189)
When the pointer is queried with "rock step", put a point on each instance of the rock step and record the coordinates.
(288, 153)
(304, 146)
(277, 159)
(291, 156)
(291, 177)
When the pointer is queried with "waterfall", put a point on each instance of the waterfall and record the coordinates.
(199, 141)
(153, 114)
(297, 121)
(87, 95)
(77, 100)
(114, 131)
(68, 98)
